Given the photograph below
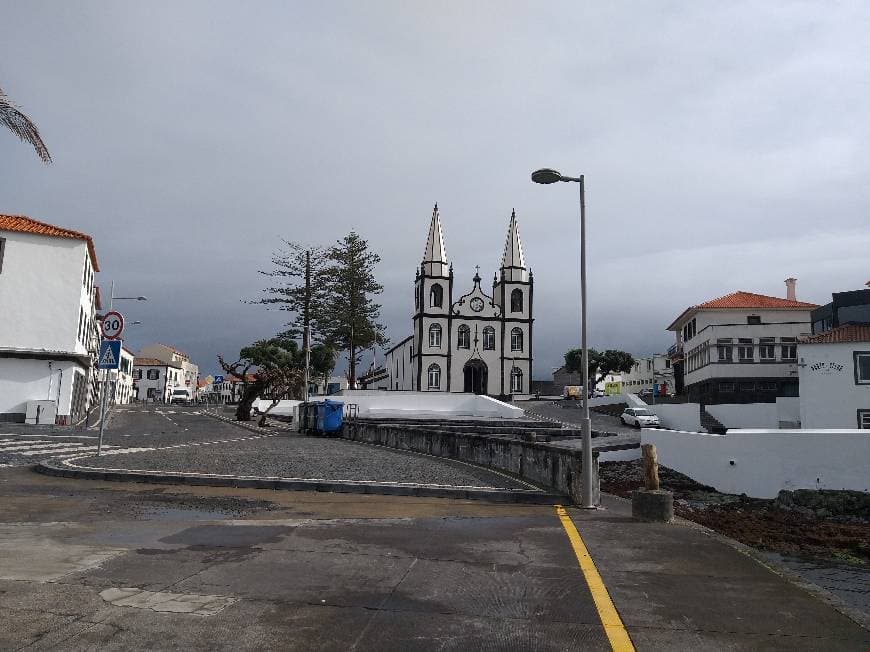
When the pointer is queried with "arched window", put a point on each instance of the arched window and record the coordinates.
(516, 339)
(464, 337)
(435, 336)
(489, 339)
(436, 296)
(516, 381)
(516, 300)
(434, 376)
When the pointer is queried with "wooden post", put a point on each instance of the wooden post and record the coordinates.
(650, 467)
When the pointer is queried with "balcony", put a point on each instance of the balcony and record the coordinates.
(675, 352)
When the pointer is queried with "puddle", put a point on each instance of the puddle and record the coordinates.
(163, 513)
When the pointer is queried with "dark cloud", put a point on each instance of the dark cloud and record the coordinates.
(725, 147)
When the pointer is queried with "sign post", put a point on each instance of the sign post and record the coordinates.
(109, 358)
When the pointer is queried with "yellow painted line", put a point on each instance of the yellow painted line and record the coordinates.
(613, 627)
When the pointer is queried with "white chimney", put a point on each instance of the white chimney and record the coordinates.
(790, 284)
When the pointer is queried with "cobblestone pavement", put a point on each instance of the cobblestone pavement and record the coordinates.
(303, 457)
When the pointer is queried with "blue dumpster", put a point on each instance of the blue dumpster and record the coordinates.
(329, 415)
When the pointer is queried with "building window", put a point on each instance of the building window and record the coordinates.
(767, 349)
(726, 351)
(516, 300)
(516, 381)
(767, 385)
(2, 251)
(753, 320)
(489, 339)
(153, 374)
(864, 419)
(435, 336)
(516, 339)
(434, 376)
(436, 296)
(745, 351)
(789, 348)
(463, 337)
(747, 387)
(862, 367)
(137, 374)
(689, 330)
(726, 387)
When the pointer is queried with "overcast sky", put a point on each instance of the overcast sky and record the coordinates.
(726, 146)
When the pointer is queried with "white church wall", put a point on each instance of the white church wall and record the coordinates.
(426, 405)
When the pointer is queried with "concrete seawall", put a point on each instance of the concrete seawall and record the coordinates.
(542, 464)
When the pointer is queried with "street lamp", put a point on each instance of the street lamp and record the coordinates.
(548, 176)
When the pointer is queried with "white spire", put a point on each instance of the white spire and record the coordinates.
(435, 256)
(513, 262)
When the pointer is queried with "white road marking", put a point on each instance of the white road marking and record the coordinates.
(64, 450)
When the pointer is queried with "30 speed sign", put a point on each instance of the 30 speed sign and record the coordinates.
(113, 325)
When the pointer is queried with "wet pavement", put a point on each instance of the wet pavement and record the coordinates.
(94, 565)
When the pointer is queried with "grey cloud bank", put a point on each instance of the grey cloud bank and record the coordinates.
(725, 147)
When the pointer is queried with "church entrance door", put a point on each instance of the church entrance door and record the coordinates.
(475, 377)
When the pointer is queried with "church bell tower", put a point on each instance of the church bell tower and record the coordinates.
(433, 297)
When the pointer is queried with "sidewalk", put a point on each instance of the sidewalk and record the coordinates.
(680, 587)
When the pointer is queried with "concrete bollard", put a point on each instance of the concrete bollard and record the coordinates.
(652, 503)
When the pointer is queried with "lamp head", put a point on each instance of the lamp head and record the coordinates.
(546, 175)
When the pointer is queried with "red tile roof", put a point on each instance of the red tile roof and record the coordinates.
(24, 224)
(840, 335)
(742, 300)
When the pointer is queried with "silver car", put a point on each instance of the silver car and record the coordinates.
(640, 418)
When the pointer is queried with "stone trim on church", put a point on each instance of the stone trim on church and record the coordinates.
(479, 343)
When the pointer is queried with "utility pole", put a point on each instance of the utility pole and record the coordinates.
(306, 336)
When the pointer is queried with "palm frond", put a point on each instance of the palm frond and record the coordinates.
(22, 126)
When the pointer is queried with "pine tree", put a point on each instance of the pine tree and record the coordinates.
(347, 316)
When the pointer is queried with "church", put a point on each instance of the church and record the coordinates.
(474, 342)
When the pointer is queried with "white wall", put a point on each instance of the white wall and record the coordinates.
(401, 366)
(43, 281)
(830, 398)
(678, 416)
(767, 461)
(23, 380)
(746, 415)
(424, 405)
(788, 410)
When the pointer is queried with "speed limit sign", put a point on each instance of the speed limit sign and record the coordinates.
(113, 325)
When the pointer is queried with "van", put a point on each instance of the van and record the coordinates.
(181, 395)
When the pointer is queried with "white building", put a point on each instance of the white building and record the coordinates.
(123, 391)
(155, 379)
(835, 378)
(646, 371)
(740, 348)
(477, 342)
(173, 356)
(47, 318)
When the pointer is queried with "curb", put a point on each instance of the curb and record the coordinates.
(299, 484)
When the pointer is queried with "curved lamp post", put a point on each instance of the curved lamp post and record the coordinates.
(548, 176)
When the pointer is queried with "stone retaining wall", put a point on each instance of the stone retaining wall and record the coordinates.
(541, 464)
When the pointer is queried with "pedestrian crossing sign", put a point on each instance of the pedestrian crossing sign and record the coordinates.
(110, 354)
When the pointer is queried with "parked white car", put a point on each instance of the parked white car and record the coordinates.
(640, 418)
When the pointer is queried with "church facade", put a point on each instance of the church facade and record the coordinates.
(467, 342)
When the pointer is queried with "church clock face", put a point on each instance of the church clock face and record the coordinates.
(476, 304)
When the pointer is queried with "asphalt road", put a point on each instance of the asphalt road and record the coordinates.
(569, 412)
(88, 565)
